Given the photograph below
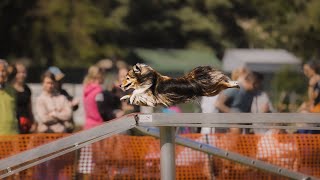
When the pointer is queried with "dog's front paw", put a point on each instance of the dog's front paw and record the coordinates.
(125, 97)
(132, 98)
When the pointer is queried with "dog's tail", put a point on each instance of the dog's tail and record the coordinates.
(210, 80)
(233, 84)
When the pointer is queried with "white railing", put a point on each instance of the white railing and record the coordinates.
(167, 122)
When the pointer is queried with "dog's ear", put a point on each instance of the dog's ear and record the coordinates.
(136, 69)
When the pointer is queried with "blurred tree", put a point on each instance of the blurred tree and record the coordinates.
(78, 33)
(15, 27)
(297, 83)
(62, 30)
(289, 89)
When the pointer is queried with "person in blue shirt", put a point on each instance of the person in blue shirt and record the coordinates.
(238, 100)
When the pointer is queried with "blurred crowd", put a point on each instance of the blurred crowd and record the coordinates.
(54, 107)
(251, 98)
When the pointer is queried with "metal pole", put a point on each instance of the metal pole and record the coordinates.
(167, 155)
(40, 154)
(230, 156)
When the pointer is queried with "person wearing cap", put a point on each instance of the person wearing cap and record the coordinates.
(8, 121)
(52, 111)
(109, 73)
(59, 75)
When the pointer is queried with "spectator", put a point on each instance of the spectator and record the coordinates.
(23, 100)
(92, 94)
(208, 104)
(101, 104)
(109, 105)
(109, 73)
(12, 72)
(261, 102)
(8, 121)
(53, 112)
(74, 102)
(311, 70)
(92, 97)
(239, 74)
(59, 76)
(238, 100)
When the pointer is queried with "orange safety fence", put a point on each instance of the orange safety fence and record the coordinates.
(138, 157)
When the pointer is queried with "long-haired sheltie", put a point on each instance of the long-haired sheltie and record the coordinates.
(152, 89)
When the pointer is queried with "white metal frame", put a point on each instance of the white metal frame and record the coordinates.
(167, 122)
(220, 153)
(35, 156)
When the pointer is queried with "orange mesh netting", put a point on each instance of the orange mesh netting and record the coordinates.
(138, 157)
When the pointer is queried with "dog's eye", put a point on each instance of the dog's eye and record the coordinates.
(127, 78)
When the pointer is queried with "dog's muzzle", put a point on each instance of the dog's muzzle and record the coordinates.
(126, 87)
(122, 87)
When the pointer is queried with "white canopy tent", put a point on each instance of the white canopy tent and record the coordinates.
(261, 60)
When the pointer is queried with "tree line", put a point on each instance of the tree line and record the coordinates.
(76, 33)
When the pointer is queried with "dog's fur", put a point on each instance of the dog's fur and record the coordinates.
(152, 89)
